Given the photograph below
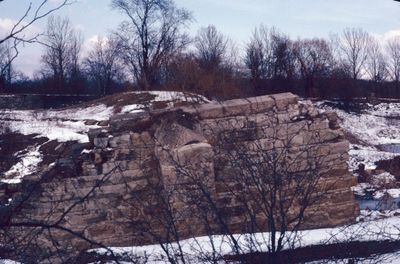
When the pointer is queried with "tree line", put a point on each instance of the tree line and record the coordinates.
(151, 50)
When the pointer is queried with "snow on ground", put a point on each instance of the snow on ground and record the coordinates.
(61, 131)
(394, 193)
(371, 227)
(391, 258)
(7, 261)
(383, 179)
(27, 165)
(70, 124)
(96, 112)
(376, 131)
(165, 96)
(372, 215)
(60, 125)
(132, 108)
(177, 96)
(381, 217)
(367, 155)
(361, 189)
(375, 125)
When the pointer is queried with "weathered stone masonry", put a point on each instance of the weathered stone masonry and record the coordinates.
(135, 160)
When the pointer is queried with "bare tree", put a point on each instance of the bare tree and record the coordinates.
(211, 48)
(376, 62)
(282, 56)
(215, 56)
(255, 56)
(151, 36)
(269, 57)
(32, 15)
(8, 52)
(353, 50)
(315, 61)
(62, 47)
(273, 177)
(11, 40)
(103, 64)
(74, 68)
(393, 52)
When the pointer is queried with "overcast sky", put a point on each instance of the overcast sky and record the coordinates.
(235, 18)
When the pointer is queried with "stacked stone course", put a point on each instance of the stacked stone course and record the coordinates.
(136, 158)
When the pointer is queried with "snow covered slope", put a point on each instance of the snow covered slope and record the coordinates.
(68, 125)
(370, 128)
(374, 134)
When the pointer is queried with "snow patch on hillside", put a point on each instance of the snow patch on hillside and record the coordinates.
(61, 125)
(69, 124)
(72, 124)
(373, 227)
(373, 126)
(178, 96)
(27, 165)
(394, 193)
(7, 261)
(367, 155)
(132, 108)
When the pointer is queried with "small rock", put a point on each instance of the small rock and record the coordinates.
(90, 122)
(103, 123)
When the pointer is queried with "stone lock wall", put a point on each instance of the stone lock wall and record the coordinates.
(141, 169)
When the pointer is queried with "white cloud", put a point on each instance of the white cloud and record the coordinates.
(79, 27)
(88, 44)
(391, 34)
(7, 24)
(385, 37)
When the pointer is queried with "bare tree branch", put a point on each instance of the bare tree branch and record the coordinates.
(25, 22)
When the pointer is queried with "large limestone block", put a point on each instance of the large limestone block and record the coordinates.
(237, 107)
(308, 109)
(327, 148)
(125, 121)
(141, 139)
(329, 135)
(262, 119)
(261, 104)
(97, 132)
(224, 124)
(319, 124)
(173, 135)
(283, 100)
(120, 141)
(101, 142)
(194, 153)
(333, 119)
(211, 110)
